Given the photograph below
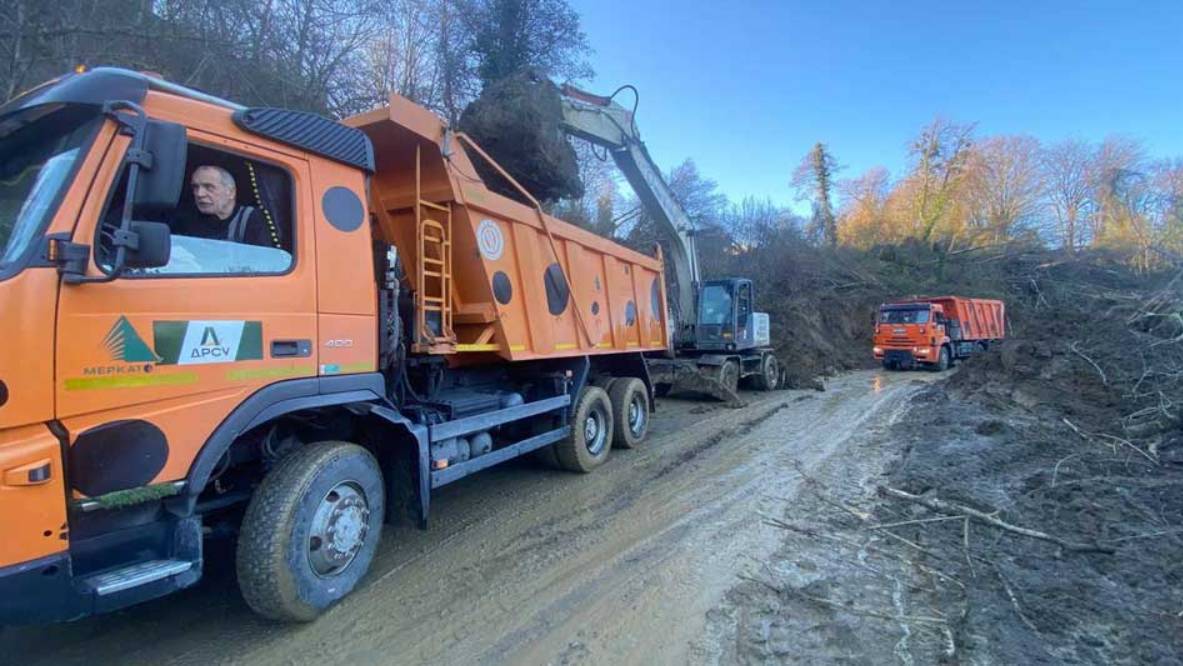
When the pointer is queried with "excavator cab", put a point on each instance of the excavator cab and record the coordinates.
(727, 320)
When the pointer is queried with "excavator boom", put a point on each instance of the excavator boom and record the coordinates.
(603, 122)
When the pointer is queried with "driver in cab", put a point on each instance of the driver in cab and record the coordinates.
(219, 216)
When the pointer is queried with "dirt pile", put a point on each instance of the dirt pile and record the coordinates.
(518, 122)
(1035, 511)
(1070, 428)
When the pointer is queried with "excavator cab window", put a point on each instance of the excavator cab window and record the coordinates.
(715, 305)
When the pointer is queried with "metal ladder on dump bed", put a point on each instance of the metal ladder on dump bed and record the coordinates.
(433, 274)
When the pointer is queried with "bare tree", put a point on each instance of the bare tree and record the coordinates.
(863, 209)
(1067, 171)
(1005, 185)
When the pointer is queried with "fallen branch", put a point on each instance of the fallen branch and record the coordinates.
(1014, 600)
(943, 506)
(1104, 379)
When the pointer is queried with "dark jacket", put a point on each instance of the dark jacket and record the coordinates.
(245, 225)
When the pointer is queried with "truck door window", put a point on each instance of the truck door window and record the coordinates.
(233, 218)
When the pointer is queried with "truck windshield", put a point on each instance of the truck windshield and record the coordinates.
(39, 147)
(903, 316)
(715, 305)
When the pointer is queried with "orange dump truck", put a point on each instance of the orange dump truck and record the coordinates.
(936, 331)
(227, 320)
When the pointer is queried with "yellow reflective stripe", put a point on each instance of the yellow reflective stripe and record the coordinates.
(488, 347)
(130, 381)
(565, 345)
(269, 373)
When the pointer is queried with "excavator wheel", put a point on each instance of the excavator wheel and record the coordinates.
(769, 377)
(630, 412)
(729, 375)
(591, 433)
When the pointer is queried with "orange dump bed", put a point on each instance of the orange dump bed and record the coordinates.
(980, 318)
(493, 276)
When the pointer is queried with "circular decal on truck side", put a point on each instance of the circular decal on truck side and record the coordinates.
(490, 240)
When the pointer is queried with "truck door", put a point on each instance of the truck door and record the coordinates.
(150, 363)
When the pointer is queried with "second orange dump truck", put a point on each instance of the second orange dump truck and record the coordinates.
(221, 319)
(936, 331)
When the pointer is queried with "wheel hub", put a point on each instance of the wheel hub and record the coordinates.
(338, 529)
(636, 417)
(593, 433)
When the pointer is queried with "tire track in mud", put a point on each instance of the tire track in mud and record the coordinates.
(527, 565)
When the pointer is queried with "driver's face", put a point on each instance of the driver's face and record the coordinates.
(211, 194)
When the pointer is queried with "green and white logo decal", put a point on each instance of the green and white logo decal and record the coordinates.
(125, 344)
(197, 342)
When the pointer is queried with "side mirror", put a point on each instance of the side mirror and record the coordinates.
(162, 171)
(151, 245)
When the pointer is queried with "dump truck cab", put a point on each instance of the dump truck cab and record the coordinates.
(908, 334)
(355, 331)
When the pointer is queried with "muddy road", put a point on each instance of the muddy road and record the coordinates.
(528, 565)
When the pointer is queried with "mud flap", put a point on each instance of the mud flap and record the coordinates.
(420, 461)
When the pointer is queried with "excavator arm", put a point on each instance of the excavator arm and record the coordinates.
(605, 123)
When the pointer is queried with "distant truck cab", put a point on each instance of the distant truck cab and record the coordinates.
(935, 332)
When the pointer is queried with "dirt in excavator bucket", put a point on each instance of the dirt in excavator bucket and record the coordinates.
(686, 375)
(518, 121)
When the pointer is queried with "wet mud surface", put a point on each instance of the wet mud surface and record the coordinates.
(642, 561)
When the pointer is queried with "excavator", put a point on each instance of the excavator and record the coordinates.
(718, 339)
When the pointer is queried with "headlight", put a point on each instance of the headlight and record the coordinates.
(878, 350)
(920, 351)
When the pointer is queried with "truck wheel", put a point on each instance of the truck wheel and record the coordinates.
(769, 377)
(591, 432)
(630, 412)
(310, 531)
(943, 360)
(729, 375)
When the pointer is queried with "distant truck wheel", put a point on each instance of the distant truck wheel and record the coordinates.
(591, 432)
(662, 390)
(943, 360)
(768, 378)
(630, 412)
(310, 531)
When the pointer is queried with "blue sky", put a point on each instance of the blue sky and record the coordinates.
(746, 88)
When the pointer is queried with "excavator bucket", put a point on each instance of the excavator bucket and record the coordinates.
(687, 375)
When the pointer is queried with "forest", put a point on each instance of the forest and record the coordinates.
(962, 189)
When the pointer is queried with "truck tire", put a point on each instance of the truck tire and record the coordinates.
(768, 379)
(943, 359)
(591, 433)
(630, 412)
(310, 531)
